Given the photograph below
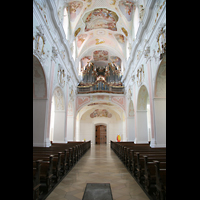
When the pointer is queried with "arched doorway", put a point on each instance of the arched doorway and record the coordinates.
(160, 105)
(143, 116)
(100, 112)
(100, 134)
(57, 124)
(39, 103)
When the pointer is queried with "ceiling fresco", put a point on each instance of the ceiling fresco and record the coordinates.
(126, 7)
(80, 39)
(100, 55)
(102, 30)
(84, 62)
(120, 38)
(74, 9)
(100, 113)
(101, 18)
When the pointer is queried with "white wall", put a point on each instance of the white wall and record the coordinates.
(131, 129)
(52, 120)
(39, 110)
(70, 128)
(86, 131)
(142, 135)
(59, 122)
(87, 128)
(160, 121)
(146, 36)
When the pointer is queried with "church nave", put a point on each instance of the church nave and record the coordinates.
(99, 76)
(98, 165)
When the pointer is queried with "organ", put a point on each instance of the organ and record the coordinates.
(101, 78)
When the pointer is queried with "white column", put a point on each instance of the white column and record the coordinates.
(142, 134)
(47, 140)
(39, 115)
(151, 95)
(66, 111)
(160, 121)
(131, 128)
(59, 124)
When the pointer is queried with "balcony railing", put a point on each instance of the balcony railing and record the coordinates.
(93, 89)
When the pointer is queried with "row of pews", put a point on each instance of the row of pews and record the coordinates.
(147, 165)
(51, 164)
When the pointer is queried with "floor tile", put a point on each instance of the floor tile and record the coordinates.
(99, 165)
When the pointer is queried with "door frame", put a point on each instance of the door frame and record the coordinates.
(97, 124)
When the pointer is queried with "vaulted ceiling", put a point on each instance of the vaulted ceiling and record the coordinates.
(101, 29)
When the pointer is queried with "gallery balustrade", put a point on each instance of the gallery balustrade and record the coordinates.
(106, 89)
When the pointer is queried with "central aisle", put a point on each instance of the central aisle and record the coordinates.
(99, 165)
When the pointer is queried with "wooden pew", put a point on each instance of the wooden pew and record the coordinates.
(46, 173)
(139, 160)
(56, 163)
(36, 179)
(160, 181)
(129, 158)
(64, 156)
(140, 168)
(150, 173)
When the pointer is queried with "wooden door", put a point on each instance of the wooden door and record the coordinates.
(97, 134)
(101, 136)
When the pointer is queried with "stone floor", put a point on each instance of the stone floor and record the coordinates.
(99, 165)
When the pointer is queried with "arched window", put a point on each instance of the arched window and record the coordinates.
(136, 21)
(66, 23)
(74, 50)
(57, 3)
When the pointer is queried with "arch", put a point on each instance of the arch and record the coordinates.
(91, 49)
(97, 102)
(131, 112)
(57, 124)
(160, 84)
(70, 109)
(39, 103)
(142, 98)
(143, 116)
(39, 80)
(85, 122)
(82, 101)
(160, 105)
(59, 98)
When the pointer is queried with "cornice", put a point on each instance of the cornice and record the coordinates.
(58, 26)
(140, 32)
(153, 31)
(100, 94)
